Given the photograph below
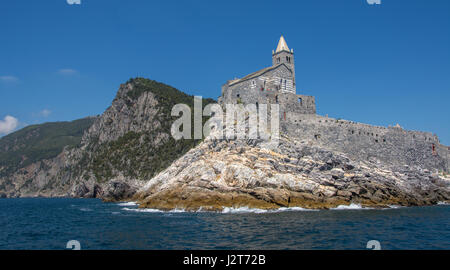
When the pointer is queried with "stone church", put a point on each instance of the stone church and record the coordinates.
(277, 85)
(272, 85)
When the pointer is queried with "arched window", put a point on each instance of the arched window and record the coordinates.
(300, 100)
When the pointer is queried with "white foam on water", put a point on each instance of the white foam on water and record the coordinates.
(151, 210)
(394, 207)
(227, 210)
(352, 206)
(85, 209)
(238, 210)
(128, 204)
(142, 210)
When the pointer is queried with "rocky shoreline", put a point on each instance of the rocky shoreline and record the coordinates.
(244, 173)
(128, 154)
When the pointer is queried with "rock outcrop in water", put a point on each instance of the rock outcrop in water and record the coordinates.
(128, 153)
(297, 173)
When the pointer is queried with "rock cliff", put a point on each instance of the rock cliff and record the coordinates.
(125, 146)
(297, 173)
(127, 153)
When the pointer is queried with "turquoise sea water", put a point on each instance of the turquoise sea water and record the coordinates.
(51, 223)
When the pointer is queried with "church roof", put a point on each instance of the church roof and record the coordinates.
(282, 45)
(256, 74)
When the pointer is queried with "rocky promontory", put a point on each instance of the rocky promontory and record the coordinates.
(112, 155)
(246, 173)
(128, 153)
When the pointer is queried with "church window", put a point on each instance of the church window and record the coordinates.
(276, 99)
(300, 100)
(278, 60)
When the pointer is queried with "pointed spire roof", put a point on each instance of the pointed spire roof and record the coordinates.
(282, 45)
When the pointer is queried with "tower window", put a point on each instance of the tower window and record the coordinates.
(278, 60)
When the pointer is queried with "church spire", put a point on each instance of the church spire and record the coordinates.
(282, 45)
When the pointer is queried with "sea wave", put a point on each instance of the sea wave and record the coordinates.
(394, 207)
(128, 204)
(238, 210)
(352, 206)
(227, 210)
(142, 210)
(152, 210)
(443, 203)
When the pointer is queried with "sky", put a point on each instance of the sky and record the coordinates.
(379, 64)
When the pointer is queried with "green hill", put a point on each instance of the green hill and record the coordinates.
(38, 142)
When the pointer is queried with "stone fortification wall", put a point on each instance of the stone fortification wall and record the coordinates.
(392, 145)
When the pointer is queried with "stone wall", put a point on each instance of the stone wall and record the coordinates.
(392, 145)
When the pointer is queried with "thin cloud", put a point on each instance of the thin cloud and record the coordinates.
(8, 78)
(374, 2)
(67, 71)
(8, 124)
(44, 113)
(74, 2)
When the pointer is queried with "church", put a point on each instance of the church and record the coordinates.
(275, 84)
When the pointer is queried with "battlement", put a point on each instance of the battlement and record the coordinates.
(392, 145)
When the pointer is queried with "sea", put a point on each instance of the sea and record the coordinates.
(56, 224)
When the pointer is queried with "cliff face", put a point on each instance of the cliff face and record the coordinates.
(128, 144)
(297, 173)
(31, 150)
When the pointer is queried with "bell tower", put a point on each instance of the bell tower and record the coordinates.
(283, 55)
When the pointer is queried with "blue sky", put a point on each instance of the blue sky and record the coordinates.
(377, 64)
